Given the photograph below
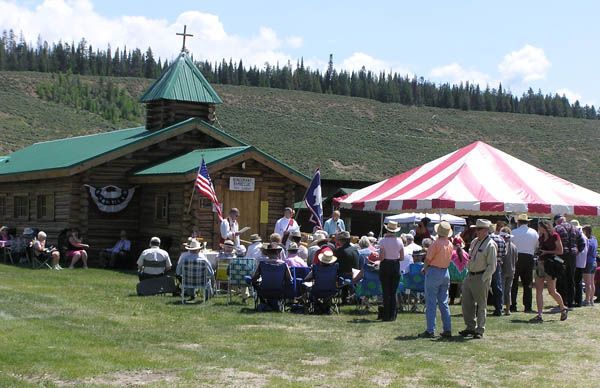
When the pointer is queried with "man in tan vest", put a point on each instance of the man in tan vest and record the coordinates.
(482, 266)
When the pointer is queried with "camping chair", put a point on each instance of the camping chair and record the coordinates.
(239, 268)
(222, 273)
(295, 289)
(7, 254)
(37, 262)
(271, 288)
(324, 292)
(414, 285)
(195, 275)
(368, 290)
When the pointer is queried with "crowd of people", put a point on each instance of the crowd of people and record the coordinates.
(485, 264)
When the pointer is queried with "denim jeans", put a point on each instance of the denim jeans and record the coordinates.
(437, 281)
(497, 285)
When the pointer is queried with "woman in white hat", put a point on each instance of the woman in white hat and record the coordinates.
(253, 251)
(391, 251)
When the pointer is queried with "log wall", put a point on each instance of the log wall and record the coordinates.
(164, 113)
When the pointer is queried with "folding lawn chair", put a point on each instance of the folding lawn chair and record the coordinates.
(36, 261)
(294, 290)
(222, 273)
(414, 285)
(271, 289)
(368, 290)
(239, 268)
(195, 275)
(324, 294)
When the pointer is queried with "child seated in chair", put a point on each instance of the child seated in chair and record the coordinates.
(43, 253)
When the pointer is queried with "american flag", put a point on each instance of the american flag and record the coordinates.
(206, 188)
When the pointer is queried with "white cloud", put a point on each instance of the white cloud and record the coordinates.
(70, 20)
(359, 59)
(571, 95)
(455, 73)
(527, 64)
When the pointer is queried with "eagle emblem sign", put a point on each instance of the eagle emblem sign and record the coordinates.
(111, 199)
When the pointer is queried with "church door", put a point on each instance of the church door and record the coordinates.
(249, 204)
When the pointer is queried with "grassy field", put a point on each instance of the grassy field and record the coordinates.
(88, 328)
(349, 138)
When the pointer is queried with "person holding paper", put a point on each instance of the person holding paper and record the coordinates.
(230, 230)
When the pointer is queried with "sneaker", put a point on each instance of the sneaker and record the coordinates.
(497, 313)
(536, 319)
(58, 266)
(446, 334)
(564, 314)
(477, 336)
(466, 332)
(507, 312)
(426, 334)
(585, 303)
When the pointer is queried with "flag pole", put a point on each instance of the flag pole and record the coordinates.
(194, 189)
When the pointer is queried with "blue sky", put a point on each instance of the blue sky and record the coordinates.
(550, 45)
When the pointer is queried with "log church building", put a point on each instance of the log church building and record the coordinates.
(142, 179)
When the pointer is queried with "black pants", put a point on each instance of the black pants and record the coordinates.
(565, 284)
(578, 286)
(389, 275)
(524, 271)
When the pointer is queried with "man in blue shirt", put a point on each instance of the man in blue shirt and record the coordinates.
(335, 224)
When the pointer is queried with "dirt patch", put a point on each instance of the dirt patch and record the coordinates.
(232, 377)
(382, 379)
(133, 378)
(349, 168)
(189, 346)
(316, 361)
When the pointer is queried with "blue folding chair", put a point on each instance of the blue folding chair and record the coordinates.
(324, 292)
(270, 291)
(414, 285)
(368, 290)
(294, 289)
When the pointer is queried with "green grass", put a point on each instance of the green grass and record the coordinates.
(349, 138)
(88, 328)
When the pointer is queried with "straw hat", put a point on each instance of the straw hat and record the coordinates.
(193, 245)
(293, 247)
(255, 238)
(296, 233)
(576, 224)
(443, 229)
(523, 217)
(228, 243)
(492, 228)
(392, 226)
(318, 238)
(482, 224)
(327, 257)
(269, 249)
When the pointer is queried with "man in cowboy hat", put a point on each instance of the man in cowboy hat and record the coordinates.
(192, 253)
(227, 250)
(526, 241)
(293, 259)
(296, 237)
(254, 249)
(153, 255)
(483, 253)
(348, 258)
(325, 258)
(437, 281)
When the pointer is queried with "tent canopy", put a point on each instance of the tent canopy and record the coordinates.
(413, 218)
(476, 179)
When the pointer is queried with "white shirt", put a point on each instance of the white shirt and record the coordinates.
(154, 254)
(121, 245)
(413, 247)
(254, 251)
(408, 259)
(229, 229)
(581, 259)
(282, 226)
(525, 239)
(303, 252)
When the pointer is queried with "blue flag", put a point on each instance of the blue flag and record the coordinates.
(314, 200)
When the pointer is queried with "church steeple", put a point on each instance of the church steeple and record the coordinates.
(180, 93)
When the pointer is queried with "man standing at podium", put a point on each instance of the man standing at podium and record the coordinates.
(335, 224)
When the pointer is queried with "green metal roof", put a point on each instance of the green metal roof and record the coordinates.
(191, 161)
(302, 204)
(182, 81)
(70, 152)
(346, 190)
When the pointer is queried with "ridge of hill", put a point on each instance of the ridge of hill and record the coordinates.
(347, 137)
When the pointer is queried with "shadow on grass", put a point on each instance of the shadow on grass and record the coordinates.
(363, 320)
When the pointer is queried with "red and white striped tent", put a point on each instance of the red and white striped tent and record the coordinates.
(476, 179)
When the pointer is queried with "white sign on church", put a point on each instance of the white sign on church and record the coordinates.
(238, 183)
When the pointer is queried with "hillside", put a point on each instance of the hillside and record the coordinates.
(349, 138)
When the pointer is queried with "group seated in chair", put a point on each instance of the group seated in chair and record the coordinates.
(119, 255)
(153, 262)
(323, 284)
(270, 279)
(76, 249)
(42, 254)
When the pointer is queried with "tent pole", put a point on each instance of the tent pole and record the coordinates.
(381, 225)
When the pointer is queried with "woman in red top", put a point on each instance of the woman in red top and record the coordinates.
(550, 246)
